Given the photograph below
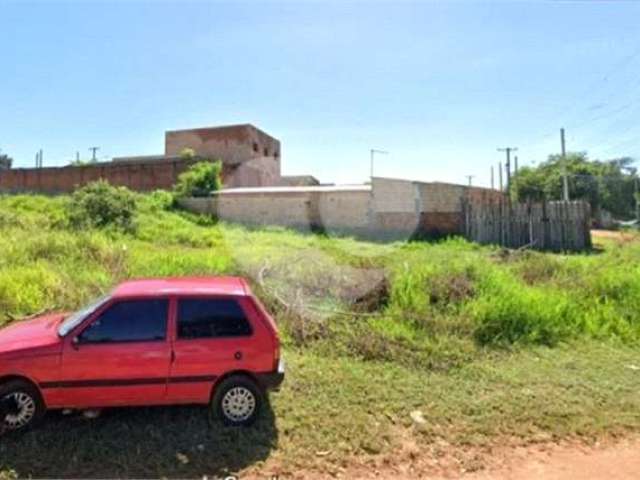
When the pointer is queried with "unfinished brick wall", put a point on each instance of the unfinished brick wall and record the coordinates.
(250, 158)
(254, 154)
(147, 176)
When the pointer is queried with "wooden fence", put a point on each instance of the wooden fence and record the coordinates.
(557, 226)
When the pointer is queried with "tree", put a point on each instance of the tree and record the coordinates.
(101, 205)
(606, 184)
(5, 161)
(200, 179)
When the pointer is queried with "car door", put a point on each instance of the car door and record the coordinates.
(120, 356)
(213, 336)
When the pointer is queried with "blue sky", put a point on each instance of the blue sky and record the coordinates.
(439, 85)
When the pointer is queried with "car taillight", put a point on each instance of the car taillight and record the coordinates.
(276, 354)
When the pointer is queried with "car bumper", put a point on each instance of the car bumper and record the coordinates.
(272, 380)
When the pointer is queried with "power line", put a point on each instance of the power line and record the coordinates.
(616, 68)
(573, 108)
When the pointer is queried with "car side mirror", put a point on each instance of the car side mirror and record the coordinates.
(75, 343)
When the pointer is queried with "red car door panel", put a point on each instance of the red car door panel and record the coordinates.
(120, 356)
(104, 375)
(213, 336)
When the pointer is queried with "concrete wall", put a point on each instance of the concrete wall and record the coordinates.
(389, 209)
(325, 210)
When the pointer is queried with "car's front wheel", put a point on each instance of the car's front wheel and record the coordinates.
(237, 401)
(21, 406)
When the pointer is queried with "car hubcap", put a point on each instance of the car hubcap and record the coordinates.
(238, 404)
(25, 409)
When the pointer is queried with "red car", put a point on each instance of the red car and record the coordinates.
(149, 342)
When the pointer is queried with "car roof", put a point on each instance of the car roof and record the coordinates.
(182, 286)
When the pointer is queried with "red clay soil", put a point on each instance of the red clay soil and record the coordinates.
(613, 235)
(618, 460)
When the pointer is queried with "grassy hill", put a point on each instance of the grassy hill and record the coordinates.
(487, 345)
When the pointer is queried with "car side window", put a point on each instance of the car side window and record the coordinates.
(211, 318)
(129, 321)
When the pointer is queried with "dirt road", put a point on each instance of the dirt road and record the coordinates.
(619, 461)
(611, 461)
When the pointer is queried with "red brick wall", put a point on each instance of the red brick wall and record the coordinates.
(484, 195)
(439, 224)
(136, 176)
(255, 154)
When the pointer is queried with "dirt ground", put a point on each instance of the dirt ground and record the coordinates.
(619, 461)
(613, 235)
(613, 460)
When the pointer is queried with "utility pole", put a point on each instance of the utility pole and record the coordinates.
(500, 175)
(39, 159)
(565, 181)
(470, 178)
(77, 157)
(515, 164)
(372, 152)
(508, 151)
(93, 151)
(492, 179)
(637, 195)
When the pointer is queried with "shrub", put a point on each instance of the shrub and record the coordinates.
(200, 180)
(100, 205)
(187, 153)
(158, 200)
(508, 312)
(535, 267)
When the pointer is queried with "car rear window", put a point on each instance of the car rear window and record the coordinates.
(211, 318)
(129, 321)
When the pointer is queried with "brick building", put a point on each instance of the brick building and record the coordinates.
(250, 158)
(255, 192)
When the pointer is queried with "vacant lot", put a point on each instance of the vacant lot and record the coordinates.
(394, 351)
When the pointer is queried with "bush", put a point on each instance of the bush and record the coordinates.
(101, 205)
(200, 180)
(187, 154)
(508, 312)
(157, 201)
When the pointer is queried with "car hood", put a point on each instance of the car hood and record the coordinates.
(39, 333)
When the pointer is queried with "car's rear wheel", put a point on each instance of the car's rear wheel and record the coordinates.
(21, 406)
(237, 401)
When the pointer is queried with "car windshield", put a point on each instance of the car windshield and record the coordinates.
(73, 320)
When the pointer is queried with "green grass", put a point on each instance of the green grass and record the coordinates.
(335, 408)
(487, 345)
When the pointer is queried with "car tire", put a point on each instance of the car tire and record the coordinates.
(236, 401)
(22, 406)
